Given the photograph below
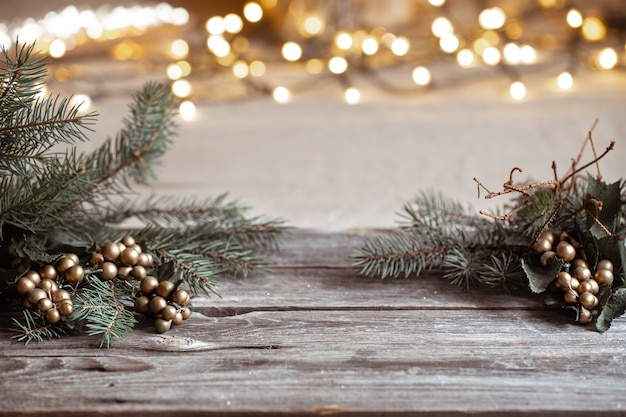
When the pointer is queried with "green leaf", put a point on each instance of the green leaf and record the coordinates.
(540, 277)
(615, 307)
(610, 196)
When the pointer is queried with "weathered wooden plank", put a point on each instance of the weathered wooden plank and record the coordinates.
(477, 362)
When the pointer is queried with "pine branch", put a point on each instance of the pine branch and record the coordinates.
(35, 328)
(100, 305)
(192, 268)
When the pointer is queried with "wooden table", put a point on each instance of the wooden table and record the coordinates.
(314, 338)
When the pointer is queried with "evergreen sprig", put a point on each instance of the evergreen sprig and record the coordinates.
(55, 200)
(504, 250)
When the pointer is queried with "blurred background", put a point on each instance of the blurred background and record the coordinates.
(332, 114)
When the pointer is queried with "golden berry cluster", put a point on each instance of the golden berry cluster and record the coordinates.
(164, 301)
(41, 291)
(579, 284)
(125, 260)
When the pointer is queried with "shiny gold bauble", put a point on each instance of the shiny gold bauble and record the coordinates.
(185, 312)
(178, 318)
(181, 297)
(584, 316)
(48, 272)
(59, 295)
(66, 308)
(590, 286)
(157, 304)
(129, 257)
(542, 245)
(565, 251)
(123, 272)
(144, 260)
(109, 271)
(162, 325)
(48, 285)
(564, 279)
(64, 263)
(545, 256)
(605, 264)
(604, 277)
(33, 276)
(148, 285)
(169, 312)
(579, 262)
(53, 315)
(44, 304)
(165, 289)
(588, 300)
(582, 273)
(128, 240)
(73, 257)
(96, 259)
(142, 304)
(137, 247)
(35, 295)
(138, 272)
(111, 251)
(547, 235)
(570, 297)
(75, 274)
(24, 285)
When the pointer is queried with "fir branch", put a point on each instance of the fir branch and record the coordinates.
(35, 328)
(100, 305)
(194, 269)
(401, 253)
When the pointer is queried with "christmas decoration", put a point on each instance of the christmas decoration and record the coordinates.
(563, 237)
(65, 258)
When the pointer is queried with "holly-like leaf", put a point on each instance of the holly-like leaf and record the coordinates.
(610, 197)
(615, 307)
(540, 277)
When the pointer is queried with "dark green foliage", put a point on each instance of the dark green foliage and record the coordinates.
(55, 200)
(496, 250)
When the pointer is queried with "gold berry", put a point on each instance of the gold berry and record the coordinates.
(64, 263)
(96, 259)
(148, 285)
(588, 300)
(604, 277)
(35, 295)
(109, 271)
(44, 304)
(165, 288)
(48, 285)
(605, 264)
(157, 304)
(111, 251)
(142, 304)
(24, 285)
(59, 295)
(542, 245)
(33, 276)
(128, 240)
(75, 274)
(169, 312)
(565, 251)
(584, 316)
(545, 256)
(162, 325)
(48, 272)
(66, 308)
(181, 297)
(582, 273)
(53, 315)
(129, 256)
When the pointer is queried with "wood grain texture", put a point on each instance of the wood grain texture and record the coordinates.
(315, 339)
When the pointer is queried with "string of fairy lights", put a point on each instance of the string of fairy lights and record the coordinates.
(281, 48)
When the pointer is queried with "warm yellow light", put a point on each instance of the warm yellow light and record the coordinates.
(240, 44)
(57, 48)
(400, 46)
(257, 68)
(343, 40)
(493, 18)
(313, 25)
(421, 76)
(528, 54)
(449, 43)
(174, 72)
(82, 102)
(187, 110)
(179, 48)
(593, 29)
(352, 95)
(240, 69)
(269, 4)
(437, 3)
(215, 25)
(565, 81)
(491, 56)
(233, 23)
(185, 68)
(607, 58)
(548, 3)
(291, 51)
(181, 88)
(369, 46)
(574, 18)
(218, 45)
(480, 45)
(465, 58)
(512, 53)
(252, 12)
(314, 66)
(281, 94)
(338, 65)
(518, 90)
(441, 26)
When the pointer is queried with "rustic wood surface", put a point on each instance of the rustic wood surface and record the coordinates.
(314, 338)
